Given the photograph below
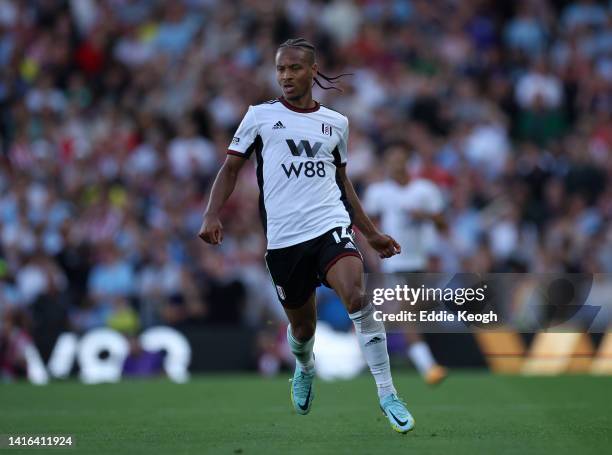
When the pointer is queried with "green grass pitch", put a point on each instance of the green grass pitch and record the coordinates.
(470, 413)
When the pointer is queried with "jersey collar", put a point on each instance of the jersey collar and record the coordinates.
(297, 109)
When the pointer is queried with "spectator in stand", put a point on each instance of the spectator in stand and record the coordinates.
(114, 115)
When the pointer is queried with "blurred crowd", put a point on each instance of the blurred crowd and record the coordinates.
(116, 114)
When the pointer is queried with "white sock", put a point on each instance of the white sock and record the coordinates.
(421, 356)
(373, 342)
(302, 351)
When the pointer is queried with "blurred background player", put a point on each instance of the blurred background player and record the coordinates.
(410, 209)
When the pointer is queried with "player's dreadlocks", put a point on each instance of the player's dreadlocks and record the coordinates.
(301, 43)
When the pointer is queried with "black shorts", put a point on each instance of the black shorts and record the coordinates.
(298, 270)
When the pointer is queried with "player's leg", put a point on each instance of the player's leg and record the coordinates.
(419, 353)
(345, 276)
(294, 276)
(300, 333)
(418, 350)
(300, 336)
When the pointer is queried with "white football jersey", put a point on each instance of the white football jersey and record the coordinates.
(298, 154)
(393, 203)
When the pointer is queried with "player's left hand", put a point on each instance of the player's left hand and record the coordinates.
(385, 245)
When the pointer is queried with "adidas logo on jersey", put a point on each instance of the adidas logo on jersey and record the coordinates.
(350, 246)
(279, 125)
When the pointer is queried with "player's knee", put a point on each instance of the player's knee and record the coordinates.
(303, 331)
(353, 299)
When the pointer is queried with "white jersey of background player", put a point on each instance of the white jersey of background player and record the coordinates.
(407, 209)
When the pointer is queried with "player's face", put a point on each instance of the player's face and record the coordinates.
(395, 162)
(294, 72)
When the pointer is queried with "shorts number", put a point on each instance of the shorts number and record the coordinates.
(343, 235)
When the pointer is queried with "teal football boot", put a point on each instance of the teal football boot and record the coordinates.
(302, 391)
(395, 410)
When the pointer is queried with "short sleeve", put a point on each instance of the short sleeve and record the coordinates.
(341, 150)
(246, 135)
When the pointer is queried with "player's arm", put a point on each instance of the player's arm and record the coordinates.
(384, 244)
(439, 221)
(225, 182)
(436, 218)
(433, 211)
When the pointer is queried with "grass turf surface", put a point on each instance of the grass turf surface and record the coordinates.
(469, 413)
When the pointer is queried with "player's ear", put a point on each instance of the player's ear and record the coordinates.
(315, 69)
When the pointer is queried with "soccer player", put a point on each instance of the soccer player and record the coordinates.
(308, 206)
(410, 210)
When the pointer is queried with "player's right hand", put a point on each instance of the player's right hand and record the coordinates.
(211, 230)
(385, 245)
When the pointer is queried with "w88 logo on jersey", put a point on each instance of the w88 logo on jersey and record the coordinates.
(308, 169)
